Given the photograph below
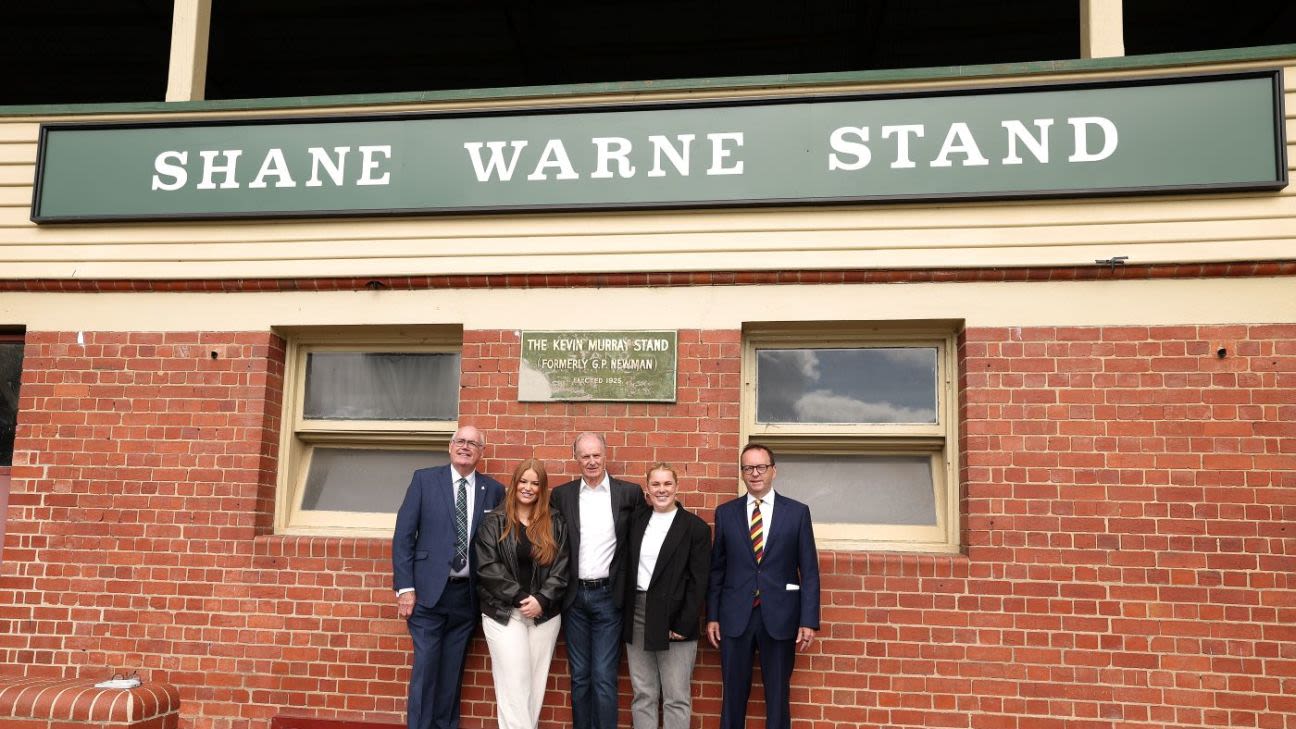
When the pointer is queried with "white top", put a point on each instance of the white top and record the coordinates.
(767, 512)
(658, 524)
(597, 531)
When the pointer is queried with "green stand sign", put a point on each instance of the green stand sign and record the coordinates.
(635, 366)
(1158, 136)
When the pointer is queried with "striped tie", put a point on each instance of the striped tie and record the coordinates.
(758, 541)
(757, 531)
(461, 525)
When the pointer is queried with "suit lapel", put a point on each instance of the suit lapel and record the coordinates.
(445, 491)
(777, 538)
(634, 539)
(479, 503)
(574, 528)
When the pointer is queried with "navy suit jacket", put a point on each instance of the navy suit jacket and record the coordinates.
(788, 575)
(423, 546)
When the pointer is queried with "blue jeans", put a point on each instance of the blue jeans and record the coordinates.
(593, 628)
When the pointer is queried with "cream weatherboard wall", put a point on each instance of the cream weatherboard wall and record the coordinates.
(1149, 230)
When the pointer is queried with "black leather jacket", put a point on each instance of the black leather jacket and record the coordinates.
(497, 586)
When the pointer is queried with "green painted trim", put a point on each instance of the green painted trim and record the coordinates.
(734, 83)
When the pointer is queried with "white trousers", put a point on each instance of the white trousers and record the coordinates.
(520, 654)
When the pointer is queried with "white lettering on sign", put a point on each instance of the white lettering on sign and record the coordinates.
(210, 168)
(171, 170)
(612, 148)
(554, 155)
(841, 143)
(274, 165)
(849, 148)
(720, 152)
(496, 165)
(659, 344)
(1038, 146)
(614, 157)
(679, 158)
(1081, 151)
(334, 168)
(563, 364)
(902, 133)
(959, 141)
(368, 165)
(170, 164)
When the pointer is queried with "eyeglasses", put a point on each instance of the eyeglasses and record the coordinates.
(757, 469)
(460, 442)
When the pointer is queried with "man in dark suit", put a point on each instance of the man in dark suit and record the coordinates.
(597, 508)
(764, 591)
(434, 576)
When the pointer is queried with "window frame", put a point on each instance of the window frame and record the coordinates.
(939, 441)
(19, 338)
(300, 437)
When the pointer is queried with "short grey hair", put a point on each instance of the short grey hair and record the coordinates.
(480, 432)
(587, 434)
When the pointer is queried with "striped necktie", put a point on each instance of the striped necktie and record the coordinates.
(461, 525)
(757, 531)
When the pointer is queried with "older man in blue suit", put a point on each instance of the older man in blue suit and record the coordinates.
(434, 577)
(764, 591)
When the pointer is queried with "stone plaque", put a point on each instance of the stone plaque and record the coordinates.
(636, 366)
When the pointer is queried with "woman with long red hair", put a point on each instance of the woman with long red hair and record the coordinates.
(521, 550)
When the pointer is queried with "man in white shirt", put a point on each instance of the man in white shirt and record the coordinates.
(597, 509)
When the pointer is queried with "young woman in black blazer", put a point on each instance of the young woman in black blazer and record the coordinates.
(669, 552)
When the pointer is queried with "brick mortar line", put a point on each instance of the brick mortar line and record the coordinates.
(664, 279)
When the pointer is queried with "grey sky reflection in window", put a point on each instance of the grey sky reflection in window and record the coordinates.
(382, 386)
(867, 385)
(855, 489)
(363, 479)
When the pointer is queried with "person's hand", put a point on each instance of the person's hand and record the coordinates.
(530, 607)
(405, 605)
(713, 633)
(804, 637)
(674, 636)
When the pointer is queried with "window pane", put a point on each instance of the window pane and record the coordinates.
(875, 385)
(382, 386)
(850, 489)
(11, 355)
(363, 479)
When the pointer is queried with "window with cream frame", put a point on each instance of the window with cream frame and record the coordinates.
(862, 418)
(363, 410)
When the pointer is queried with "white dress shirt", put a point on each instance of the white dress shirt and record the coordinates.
(597, 531)
(650, 549)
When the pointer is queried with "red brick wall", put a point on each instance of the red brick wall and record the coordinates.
(1129, 506)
